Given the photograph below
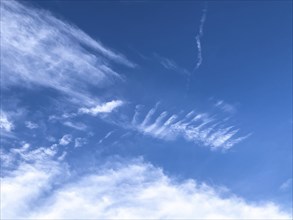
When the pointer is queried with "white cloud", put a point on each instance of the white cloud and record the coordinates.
(43, 187)
(195, 127)
(40, 50)
(31, 125)
(25, 180)
(65, 140)
(5, 123)
(106, 107)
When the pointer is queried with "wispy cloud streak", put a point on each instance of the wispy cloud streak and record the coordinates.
(194, 127)
(106, 136)
(199, 36)
(37, 49)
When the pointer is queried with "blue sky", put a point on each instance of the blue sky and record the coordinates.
(129, 109)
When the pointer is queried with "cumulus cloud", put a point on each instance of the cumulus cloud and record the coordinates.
(40, 50)
(42, 187)
(106, 107)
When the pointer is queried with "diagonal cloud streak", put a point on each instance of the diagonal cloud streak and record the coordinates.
(37, 49)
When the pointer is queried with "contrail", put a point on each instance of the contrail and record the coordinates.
(199, 36)
(198, 45)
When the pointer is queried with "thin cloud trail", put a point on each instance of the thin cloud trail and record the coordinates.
(198, 37)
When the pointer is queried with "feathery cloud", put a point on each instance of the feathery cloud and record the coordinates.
(198, 128)
(40, 50)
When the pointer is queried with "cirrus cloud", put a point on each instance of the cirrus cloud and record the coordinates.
(40, 50)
